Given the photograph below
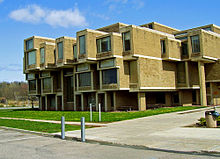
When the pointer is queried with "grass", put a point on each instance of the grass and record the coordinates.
(75, 116)
(36, 126)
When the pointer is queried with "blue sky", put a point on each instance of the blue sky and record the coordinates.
(20, 19)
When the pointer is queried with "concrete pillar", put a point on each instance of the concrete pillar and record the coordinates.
(211, 93)
(82, 102)
(141, 101)
(62, 88)
(97, 101)
(46, 102)
(114, 101)
(106, 102)
(74, 102)
(56, 102)
(187, 73)
(180, 98)
(168, 99)
(202, 85)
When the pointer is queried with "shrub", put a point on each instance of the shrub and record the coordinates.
(202, 121)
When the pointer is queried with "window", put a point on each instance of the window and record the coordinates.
(104, 44)
(182, 38)
(29, 44)
(60, 50)
(207, 29)
(195, 44)
(47, 84)
(126, 41)
(109, 76)
(82, 67)
(32, 85)
(54, 54)
(58, 80)
(82, 45)
(181, 77)
(45, 74)
(32, 58)
(150, 26)
(184, 49)
(74, 51)
(163, 47)
(107, 63)
(42, 55)
(69, 81)
(30, 76)
(85, 79)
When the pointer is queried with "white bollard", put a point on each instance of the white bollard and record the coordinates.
(90, 111)
(83, 129)
(62, 127)
(100, 119)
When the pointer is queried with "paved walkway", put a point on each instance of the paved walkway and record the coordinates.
(57, 122)
(163, 132)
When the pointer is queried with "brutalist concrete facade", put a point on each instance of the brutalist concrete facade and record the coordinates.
(125, 67)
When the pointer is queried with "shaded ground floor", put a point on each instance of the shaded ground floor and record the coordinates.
(122, 100)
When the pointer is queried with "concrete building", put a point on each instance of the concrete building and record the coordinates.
(125, 67)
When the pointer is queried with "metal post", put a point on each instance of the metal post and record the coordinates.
(62, 127)
(100, 112)
(83, 129)
(90, 111)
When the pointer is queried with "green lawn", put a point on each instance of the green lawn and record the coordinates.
(75, 116)
(36, 126)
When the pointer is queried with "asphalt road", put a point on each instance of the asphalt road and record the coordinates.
(18, 145)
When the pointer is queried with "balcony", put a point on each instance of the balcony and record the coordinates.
(32, 52)
(65, 51)
(86, 44)
(109, 45)
(170, 49)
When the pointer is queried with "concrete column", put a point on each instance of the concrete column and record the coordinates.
(100, 79)
(82, 102)
(168, 99)
(114, 101)
(46, 102)
(106, 102)
(62, 88)
(141, 101)
(74, 101)
(211, 93)
(180, 98)
(187, 73)
(202, 85)
(56, 102)
(97, 101)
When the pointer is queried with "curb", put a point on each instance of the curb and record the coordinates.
(196, 110)
(140, 147)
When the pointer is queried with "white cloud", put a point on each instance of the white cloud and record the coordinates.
(65, 18)
(101, 16)
(32, 14)
(35, 14)
(116, 4)
(138, 4)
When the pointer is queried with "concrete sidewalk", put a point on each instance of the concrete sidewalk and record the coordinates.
(57, 122)
(162, 132)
